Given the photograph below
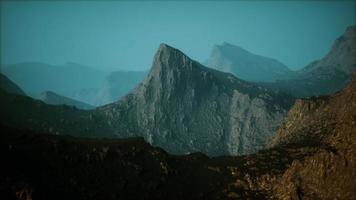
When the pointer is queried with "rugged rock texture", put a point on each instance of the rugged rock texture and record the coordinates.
(246, 65)
(54, 99)
(185, 107)
(9, 86)
(326, 76)
(322, 121)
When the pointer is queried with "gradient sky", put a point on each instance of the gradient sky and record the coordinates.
(125, 35)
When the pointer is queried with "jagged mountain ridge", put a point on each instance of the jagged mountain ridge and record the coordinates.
(184, 107)
(325, 76)
(246, 65)
(54, 99)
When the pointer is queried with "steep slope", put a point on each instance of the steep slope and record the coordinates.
(327, 75)
(246, 65)
(184, 107)
(55, 99)
(9, 86)
(322, 121)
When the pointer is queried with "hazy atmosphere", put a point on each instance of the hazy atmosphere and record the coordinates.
(178, 100)
(124, 35)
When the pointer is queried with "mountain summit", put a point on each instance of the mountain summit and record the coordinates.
(246, 65)
(185, 107)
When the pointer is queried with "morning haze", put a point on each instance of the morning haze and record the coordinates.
(124, 35)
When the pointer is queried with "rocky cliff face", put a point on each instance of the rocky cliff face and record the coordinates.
(246, 65)
(330, 123)
(325, 76)
(184, 107)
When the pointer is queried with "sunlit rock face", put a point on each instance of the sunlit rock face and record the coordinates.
(185, 107)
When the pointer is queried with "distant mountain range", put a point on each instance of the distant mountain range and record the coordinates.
(55, 99)
(181, 106)
(246, 65)
(75, 81)
(325, 76)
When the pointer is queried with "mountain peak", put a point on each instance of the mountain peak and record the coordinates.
(168, 57)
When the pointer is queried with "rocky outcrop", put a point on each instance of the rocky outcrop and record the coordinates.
(246, 65)
(185, 107)
(328, 123)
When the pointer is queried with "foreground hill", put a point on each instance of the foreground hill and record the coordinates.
(55, 99)
(40, 166)
(325, 76)
(26, 113)
(246, 65)
(185, 107)
(7, 85)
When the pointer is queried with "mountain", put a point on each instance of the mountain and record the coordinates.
(325, 76)
(312, 157)
(9, 86)
(328, 122)
(35, 78)
(55, 99)
(75, 81)
(116, 85)
(246, 65)
(185, 107)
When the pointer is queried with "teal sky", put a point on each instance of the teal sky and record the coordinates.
(125, 35)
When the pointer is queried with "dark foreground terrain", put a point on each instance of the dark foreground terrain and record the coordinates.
(313, 156)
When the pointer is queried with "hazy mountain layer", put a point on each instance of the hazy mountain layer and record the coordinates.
(326, 76)
(116, 85)
(184, 107)
(81, 83)
(246, 65)
(55, 99)
(35, 78)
